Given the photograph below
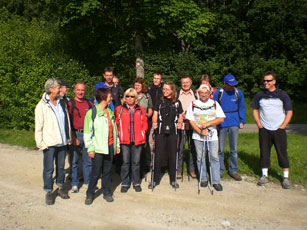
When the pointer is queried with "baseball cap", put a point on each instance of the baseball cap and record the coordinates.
(101, 85)
(230, 80)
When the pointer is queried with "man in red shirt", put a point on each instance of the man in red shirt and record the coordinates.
(78, 108)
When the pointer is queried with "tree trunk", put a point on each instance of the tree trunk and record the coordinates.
(139, 63)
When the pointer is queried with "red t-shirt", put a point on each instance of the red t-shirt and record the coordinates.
(83, 107)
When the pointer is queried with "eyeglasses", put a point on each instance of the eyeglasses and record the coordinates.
(268, 80)
(130, 96)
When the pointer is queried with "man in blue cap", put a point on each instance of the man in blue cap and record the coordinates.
(231, 100)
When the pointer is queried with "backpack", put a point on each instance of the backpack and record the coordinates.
(166, 117)
(279, 95)
(94, 113)
(195, 106)
(237, 99)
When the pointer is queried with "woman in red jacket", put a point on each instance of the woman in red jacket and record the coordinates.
(132, 125)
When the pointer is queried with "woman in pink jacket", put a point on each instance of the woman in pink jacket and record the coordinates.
(132, 125)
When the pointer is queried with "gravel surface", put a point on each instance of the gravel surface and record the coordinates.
(242, 205)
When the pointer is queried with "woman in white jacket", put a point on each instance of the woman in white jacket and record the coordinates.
(52, 135)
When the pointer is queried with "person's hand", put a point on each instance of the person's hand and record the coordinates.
(117, 150)
(91, 154)
(204, 132)
(203, 126)
(283, 127)
(260, 125)
(155, 125)
(179, 125)
(241, 126)
(75, 141)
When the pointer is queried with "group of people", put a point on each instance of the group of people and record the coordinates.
(153, 123)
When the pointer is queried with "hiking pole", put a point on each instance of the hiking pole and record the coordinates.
(153, 162)
(209, 162)
(177, 160)
(201, 166)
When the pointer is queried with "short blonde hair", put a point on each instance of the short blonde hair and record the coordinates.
(131, 91)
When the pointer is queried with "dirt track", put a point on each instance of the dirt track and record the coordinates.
(242, 205)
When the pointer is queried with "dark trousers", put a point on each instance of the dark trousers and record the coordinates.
(278, 138)
(186, 135)
(101, 162)
(165, 148)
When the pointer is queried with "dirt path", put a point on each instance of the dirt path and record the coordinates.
(242, 205)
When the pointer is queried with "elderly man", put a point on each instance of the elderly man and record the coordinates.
(78, 107)
(52, 134)
(204, 114)
(272, 111)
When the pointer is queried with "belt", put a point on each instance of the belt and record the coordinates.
(79, 130)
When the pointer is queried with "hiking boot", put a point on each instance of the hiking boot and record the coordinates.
(74, 189)
(63, 194)
(137, 188)
(108, 198)
(235, 176)
(88, 200)
(49, 199)
(124, 189)
(263, 180)
(285, 183)
(203, 184)
(193, 175)
(175, 185)
(218, 187)
(179, 175)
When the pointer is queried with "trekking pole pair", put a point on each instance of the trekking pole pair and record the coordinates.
(201, 165)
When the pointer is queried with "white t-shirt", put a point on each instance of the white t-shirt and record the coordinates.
(204, 112)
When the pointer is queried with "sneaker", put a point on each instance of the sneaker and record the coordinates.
(74, 189)
(235, 176)
(193, 175)
(49, 199)
(108, 198)
(263, 180)
(218, 187)
(175, 185)
(63, 194)
(203, 184)
(137, 188)
(88, 200)
(285, 183)
(124, 189)
(179, 175)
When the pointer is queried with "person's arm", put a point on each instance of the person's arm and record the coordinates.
(256, 118)
(39, 123)
(242, 110)
(150, 112)
(214, 122)
(287, 119)
(155, 120)
(199, 130)
(180, 120)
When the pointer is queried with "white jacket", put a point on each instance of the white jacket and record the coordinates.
(47, 132)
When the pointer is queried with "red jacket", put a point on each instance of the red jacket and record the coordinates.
(123, 123)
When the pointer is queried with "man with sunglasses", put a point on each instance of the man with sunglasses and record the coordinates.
(272, 111)
(231, 100)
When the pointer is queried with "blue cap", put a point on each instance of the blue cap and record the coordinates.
(230, 79)
(101, 85)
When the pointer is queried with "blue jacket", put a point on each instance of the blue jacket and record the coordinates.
(234, 114)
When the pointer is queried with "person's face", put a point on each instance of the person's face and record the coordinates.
(115, 80)
(63, 90)
(130, 99)
(229, 87)
(109, 98)
(269, 83)
(55, 92)
(108, 76)
(204, 95)
(186, 84)
(138, 87)
(157, 79)
(79, 91)
(167, 91)
(204, 82)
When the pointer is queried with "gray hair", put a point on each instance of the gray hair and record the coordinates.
(51, 83)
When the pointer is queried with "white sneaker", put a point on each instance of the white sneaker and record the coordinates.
(74, 189)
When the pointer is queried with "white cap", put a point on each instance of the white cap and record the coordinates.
(202, 87)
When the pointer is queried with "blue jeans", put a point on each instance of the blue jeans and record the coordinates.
(233, 133)
(202, 146)
(51, 155)
(101, 162)
(131, 157)
(86, 162)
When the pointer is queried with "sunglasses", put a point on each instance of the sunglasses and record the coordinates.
(268, 80)
(130, 96)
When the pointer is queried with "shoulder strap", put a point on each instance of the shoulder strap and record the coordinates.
(121, 111)
(220, 95)
(237, 96)
(94, 113)
(89, 104)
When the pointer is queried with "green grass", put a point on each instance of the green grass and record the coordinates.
(248, 152)
(18, 137)
(299, 112)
